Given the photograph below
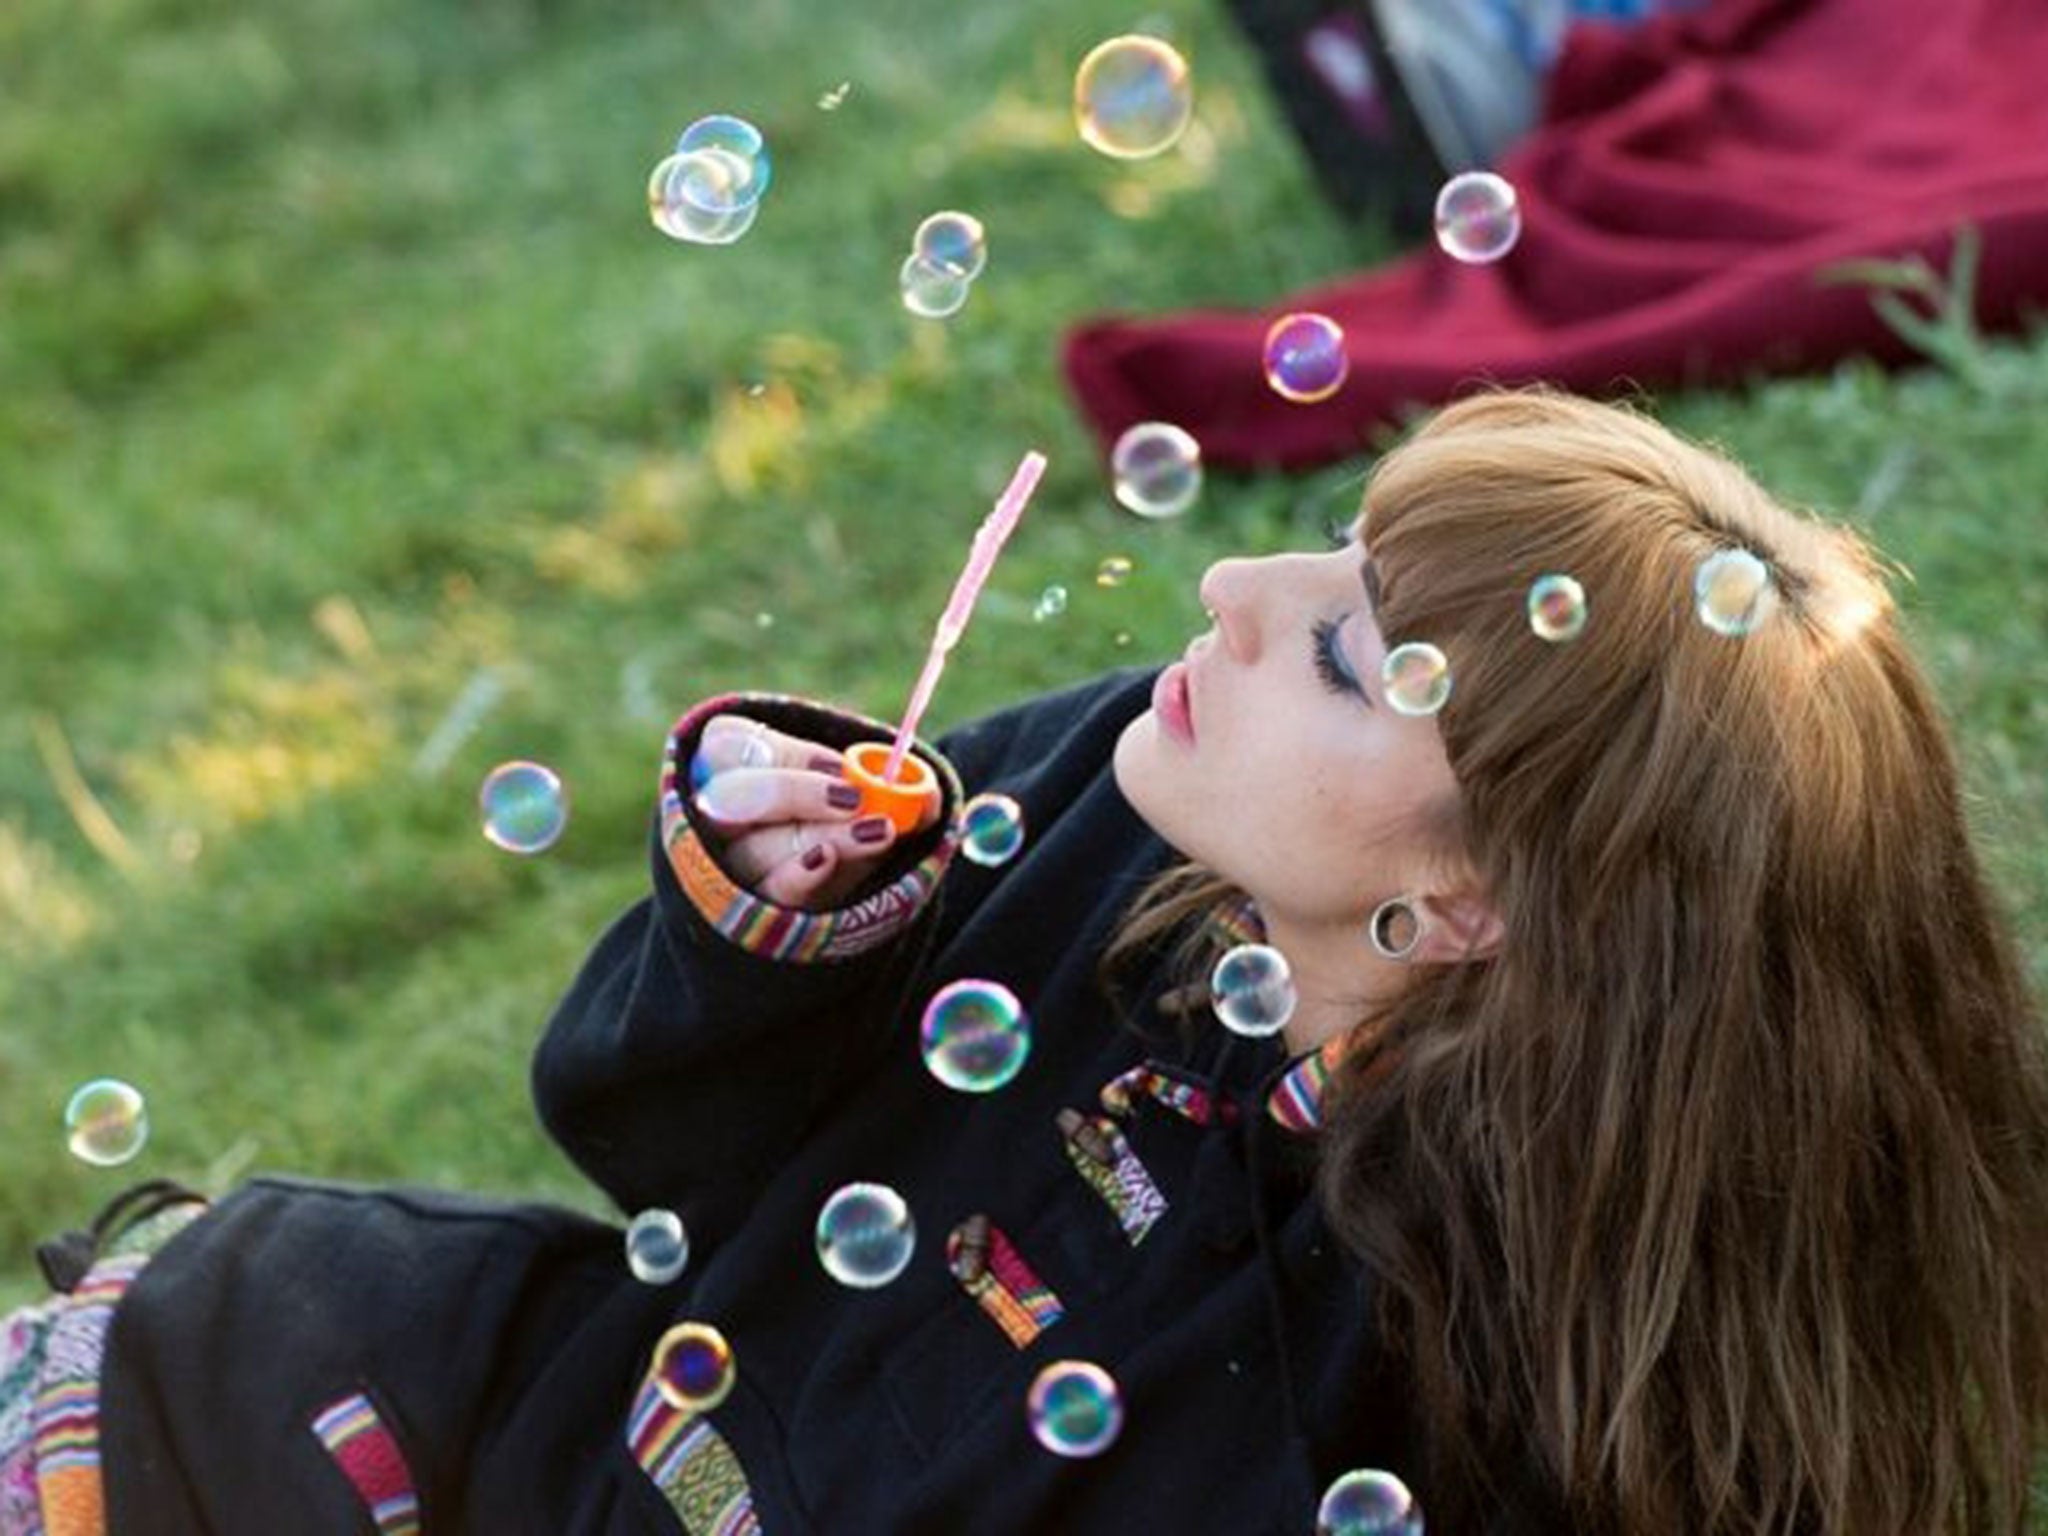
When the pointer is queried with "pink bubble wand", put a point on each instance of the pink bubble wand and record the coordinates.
(989, 539)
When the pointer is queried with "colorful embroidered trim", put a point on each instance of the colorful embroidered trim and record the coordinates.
(692, 1465)
(367, 1453)
(1191, 1101)
(759, 926)
(990, 1269)
(1102, 1156)
(67, 1408)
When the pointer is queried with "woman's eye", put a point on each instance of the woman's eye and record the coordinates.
(1330, 662)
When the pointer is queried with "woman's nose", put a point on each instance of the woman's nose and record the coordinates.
(1227, 591)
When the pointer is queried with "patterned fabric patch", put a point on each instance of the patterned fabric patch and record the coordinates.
(761, 927)
(1102, 1156)
(367, 1453)
(1149, 1080)
(692, 1465)
(24, 1345)
(990, 1269)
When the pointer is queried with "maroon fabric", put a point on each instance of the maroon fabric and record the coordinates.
(1689, 181)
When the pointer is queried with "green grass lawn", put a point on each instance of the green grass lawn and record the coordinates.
(357, 432)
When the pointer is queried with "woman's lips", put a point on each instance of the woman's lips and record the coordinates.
(1170, 702)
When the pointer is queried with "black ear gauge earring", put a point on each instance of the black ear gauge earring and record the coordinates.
(1395, 928)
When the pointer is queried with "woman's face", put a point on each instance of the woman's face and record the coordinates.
(1270, 755)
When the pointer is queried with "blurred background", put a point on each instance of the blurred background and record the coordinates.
(359, 433)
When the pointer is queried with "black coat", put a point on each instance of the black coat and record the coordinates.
(504, 1346)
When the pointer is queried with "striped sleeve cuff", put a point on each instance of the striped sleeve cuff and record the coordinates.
(756, 924)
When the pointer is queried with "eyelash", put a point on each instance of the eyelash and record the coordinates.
(1330, 665)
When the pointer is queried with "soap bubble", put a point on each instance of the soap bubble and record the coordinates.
(975, 1035)
(740, 140)
(1733, 592)
(991, 830)
(524, 806)
(1114, 571)
(834, 99)
(106, 1122)
(1557, 608)
(1477, 217)
(1156, 469)
(931, 290)
(1252, 990)
(1133, 97)
(657, 1247)
(693, 1367)
(681, 185)
(1416, 678)
(865, 1235)
(953, 242)
(1362, 1503)
(1074, 1408)
(1052, 602)
(1305, 359)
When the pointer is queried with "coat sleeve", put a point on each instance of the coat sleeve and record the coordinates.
(708, 1028)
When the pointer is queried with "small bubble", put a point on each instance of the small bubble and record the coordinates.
(742, 142)
(1120, 639)
(524, 807)
(953, 242)
(693, 1367)
(1252, 990)
(1478, 219)
(1304, 358)
(1133, 97)
(991, 829)
(1074, 1408)
(106, 1122)
(1156, 469)
(1113, 572)
(1365, 1503)
(679, 188)
(975, 1036)
(657, 1247)
(1416, 678)
(1733, 592)
(1557, 608)
(834, 99)
(1052, 602)
(865, 1235)
(929, 290)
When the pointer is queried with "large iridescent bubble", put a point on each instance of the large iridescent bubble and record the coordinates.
(1156, 469)
(1478, 218)
(1368, 1503)
(524, 806)
(865, 1235)
(1133, 97)
(975, 1035)
(106, 1122)
(1074, 1408)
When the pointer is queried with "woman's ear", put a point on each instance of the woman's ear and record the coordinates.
(1457, 926)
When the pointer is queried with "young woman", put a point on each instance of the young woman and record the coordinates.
(1659, 1142)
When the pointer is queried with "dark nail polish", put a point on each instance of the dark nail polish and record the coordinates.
(825, 762)
(871, 829)
(814, 857)
(842, 797)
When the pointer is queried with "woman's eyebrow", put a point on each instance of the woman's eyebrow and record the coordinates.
(1370, 575)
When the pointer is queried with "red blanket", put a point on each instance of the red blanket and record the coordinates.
(1689, 181)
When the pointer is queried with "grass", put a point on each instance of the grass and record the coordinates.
(358, 433)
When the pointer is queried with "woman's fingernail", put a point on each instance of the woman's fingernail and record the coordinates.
(842, 797)
(826, 762)
(814, 857)
(871, 829)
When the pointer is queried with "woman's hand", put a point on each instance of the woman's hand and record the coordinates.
(791, 822)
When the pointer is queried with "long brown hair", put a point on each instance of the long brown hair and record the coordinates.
(1720, 1194)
